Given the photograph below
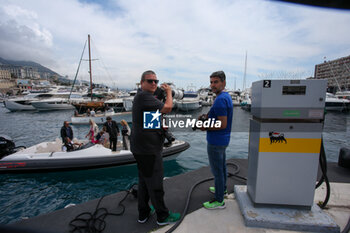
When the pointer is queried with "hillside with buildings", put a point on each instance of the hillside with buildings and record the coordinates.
(24, 69)
(16, 76)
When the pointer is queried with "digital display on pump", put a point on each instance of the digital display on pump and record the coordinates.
(294, 90)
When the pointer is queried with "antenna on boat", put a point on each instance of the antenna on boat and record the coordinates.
(90, 72)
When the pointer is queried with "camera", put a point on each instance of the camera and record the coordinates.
(175, 93)
(202, 118)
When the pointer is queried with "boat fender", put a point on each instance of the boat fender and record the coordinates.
(344, 157)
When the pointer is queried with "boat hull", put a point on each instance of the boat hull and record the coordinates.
(90, 158)
(15, 106)
(337, 106)
(188, 106)
(50, 106)
(100, 119)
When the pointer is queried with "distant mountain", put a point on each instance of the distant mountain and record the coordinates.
(27, 63)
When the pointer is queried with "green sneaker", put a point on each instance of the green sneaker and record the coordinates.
(143, 220)
(212, 190)
(214, 204)
(173, 217)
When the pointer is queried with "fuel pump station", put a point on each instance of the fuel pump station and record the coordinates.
(284, 147)
(285, 141)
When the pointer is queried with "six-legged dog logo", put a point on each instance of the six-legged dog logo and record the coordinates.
(276, 137)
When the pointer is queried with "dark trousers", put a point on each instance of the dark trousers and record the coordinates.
(150, 169)
(113, 144)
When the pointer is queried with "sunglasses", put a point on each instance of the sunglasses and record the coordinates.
(150, 81)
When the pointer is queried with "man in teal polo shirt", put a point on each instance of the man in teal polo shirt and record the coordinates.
(218, 138)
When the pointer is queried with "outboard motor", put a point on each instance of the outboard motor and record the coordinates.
(7, 146)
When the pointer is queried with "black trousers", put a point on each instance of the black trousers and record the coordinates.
(113, 144)
(151, 174)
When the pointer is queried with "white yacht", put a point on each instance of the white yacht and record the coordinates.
(335, 104)
(246, 101)
(57, 101)
(343, 94)
(52, 104)
(116, 103)
(189, 102)
(23, 103)
(206, 96)
(127, 101)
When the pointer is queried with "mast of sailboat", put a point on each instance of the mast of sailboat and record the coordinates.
(90, 66)
(245, 70)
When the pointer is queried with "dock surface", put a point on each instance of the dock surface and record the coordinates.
(198, 219)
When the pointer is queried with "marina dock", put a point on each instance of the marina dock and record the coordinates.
(198, 218)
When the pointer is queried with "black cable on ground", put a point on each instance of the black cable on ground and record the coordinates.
(324, 178)
(234, 174)
(95, 222)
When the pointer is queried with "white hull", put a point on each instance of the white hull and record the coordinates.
(48, 156)
(343, 94)
(335, 104)
(52, 105)
(100, 118)
(188, 105)
(16, 105)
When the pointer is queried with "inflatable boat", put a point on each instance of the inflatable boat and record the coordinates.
(49, 156)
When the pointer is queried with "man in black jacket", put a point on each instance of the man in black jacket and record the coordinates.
(113, 131)
(67, 136)
(146, 146)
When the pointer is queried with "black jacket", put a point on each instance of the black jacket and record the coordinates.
(113, 130)
(64, 133)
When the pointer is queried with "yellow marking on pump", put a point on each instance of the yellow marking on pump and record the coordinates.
(293, 145)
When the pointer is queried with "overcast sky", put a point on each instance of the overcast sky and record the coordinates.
(182, 41)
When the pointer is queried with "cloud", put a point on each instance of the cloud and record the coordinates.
(22, 38)
(183, 41)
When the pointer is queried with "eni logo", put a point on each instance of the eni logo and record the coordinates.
(276, 137)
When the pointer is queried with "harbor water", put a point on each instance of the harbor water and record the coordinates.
(29, 195)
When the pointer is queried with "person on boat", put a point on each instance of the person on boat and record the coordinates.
(126, 134)
(146, 146)
(67, 136)
(93, 131)
(103, 137)
(92, 113)
(88, 112)
(218, 138)
(113, 131)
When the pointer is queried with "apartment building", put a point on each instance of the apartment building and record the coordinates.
(337, 72)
